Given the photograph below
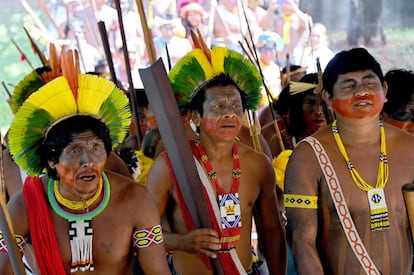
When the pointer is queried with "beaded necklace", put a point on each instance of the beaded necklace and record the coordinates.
(80, 225)
(76, 205)
(229, 202)
(376, 195)
(236, 172)
(84, 216)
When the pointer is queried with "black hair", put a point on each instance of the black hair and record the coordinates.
(400, 89)
(61, 134)
(223, 79)
(353, 60)
(297, 122)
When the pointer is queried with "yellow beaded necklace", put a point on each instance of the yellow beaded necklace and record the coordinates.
(376, 195)
(76, 205)
(382, 176)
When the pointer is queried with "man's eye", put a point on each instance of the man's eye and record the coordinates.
(97, 147)
(370, 85)
(74, 151)
(349, 87)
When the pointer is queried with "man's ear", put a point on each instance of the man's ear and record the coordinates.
(327, 98)
(52, 164)
(195, 117)
(385, 88)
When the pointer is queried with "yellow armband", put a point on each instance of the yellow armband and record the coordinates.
(301, 201)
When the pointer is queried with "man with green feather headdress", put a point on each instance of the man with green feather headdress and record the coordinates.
(78, 216)
(215, 87)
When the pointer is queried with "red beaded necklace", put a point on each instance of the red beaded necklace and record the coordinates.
(236, 173)
(228, 202)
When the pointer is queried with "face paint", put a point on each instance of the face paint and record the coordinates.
(223, 112)
(226, 129)
(359, 106)
(81, 164)
(313, 122)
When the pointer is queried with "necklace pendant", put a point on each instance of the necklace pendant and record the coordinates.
(378, 209)
(230, 216)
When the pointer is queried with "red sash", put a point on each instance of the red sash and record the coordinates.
(225, 258)
(42, 232)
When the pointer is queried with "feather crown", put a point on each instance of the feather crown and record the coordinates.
(66, 96)
(201, 65)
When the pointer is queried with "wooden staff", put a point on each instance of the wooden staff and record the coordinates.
(149, 43)
(107, 50)
(132, 96)
(408, 193)
(6, 225)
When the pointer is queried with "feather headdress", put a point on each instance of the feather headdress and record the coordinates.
(66, 96)
(201, 65)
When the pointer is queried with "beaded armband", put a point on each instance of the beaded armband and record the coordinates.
(21, 243)
(147, 237)
(301, 201)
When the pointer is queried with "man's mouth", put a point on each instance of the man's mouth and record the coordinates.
(88, 177)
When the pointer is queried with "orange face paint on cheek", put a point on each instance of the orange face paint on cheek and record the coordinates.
(346, 108)
(212, 126)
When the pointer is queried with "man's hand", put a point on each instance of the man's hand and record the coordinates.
(205, 241)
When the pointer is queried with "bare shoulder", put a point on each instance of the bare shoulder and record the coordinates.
(254, 158)
(130, 199)
(125, 189)
(396, 136)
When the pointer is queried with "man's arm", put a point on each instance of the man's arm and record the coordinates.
(272, 238)
(152, 259)
(302, 178)
(18, 216)
(202, 240)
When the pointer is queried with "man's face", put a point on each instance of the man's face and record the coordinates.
(403, 116)
(313, 113)
(358, 95)
(223, 112)
(81, 163)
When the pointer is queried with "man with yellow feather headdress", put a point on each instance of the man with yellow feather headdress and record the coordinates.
(78, 217)
(215, 87)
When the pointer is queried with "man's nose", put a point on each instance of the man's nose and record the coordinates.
(86, 159)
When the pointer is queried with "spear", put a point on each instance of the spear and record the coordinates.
(254, 53)
(107, 50)
(134, 104)
(6, 225)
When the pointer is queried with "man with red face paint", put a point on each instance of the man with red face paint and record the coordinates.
(399, 108)
(345, 207)
(238, 183)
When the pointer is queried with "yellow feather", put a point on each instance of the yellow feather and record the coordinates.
(299, 87)
(217, 59)
(204, 63)
(92, 91)
(56, 97)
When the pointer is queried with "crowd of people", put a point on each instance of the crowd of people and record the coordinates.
(295, 147)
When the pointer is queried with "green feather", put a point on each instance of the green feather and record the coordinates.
(29, 84)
